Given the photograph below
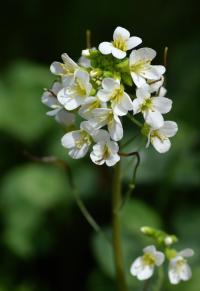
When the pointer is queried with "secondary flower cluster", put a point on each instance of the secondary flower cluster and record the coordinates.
(178, 269)
(103, 87)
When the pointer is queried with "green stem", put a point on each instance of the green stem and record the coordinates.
(159, 283)
(134, 120)
(117, 248)
(146, 285)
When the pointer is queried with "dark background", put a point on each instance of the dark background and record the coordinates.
(45, 243)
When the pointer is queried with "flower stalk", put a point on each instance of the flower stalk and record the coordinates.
(116, 238)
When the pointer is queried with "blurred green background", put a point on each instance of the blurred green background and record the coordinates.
(45, 243)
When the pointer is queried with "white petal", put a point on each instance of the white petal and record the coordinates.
(110, 84)
(117, 53)
(121, 32)
(185, 272)
(127, 102)
(104, 95)
(137, 102)
(133, 41)
(105, 48)
(160, 69)
(186, 253)
(112, 160)
(137, 79)
(143, 92)
(150, 72)
(113, 146)
(173, 276)
(162, 104)
(118, 109)
(57, 86)
(56, 68)
(79, 153)
(101, 136)
(162, 92)
(53, 112)
(160, 257)
(161, 146)
(49, 100)
(149, 249)
(68, 61)
(169, 128)
(65, 118)
(146, 54)
(69, 139)
(86, 125)
(83, 76)
(115, 129)
(153, 118)
(156, 85)
(70, 103)
(146, 272)
(136, 266)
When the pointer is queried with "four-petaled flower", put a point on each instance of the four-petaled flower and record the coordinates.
(120, 44)
(141, 68)
(73, 96)
(105, 150)
(106, 116)
(78, 141)
(49, 98)
(113, 91)
(152, 108)
(159, 138)
(143, 267)
(179, 268)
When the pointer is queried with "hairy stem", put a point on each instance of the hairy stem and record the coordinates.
(116, 238)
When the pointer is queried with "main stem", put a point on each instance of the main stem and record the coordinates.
(116, 237)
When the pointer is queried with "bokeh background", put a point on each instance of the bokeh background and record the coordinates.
(45, 243)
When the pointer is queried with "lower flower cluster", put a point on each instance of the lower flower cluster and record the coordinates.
(178, 269)
(105, 86)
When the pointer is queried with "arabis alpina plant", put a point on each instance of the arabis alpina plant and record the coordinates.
(105, 87)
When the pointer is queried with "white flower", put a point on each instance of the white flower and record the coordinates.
(152, 108)
(159, 138)
(178, 267)
(120, 44)
(143, 267)
(78, 141)
(112, 91)
(49, 98)
(89, 105)
(66, 69)
(73, 96)
(105, 151)
(106, 116)
(141, 68)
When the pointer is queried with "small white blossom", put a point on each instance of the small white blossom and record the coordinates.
(105, 151)
(141, 68)
(143, 267)
(106, 116)
(157, 88)
(78, 141)
(159, 138)
(91, 103)
(49, 98)
(73, 96)
(120, 44)
(112, 91)
(152, 108)
(66, 69)
(179, 268)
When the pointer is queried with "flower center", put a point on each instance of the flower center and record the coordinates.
(147, 104)
(149, 259)
(117, 95)
(120, 43)
(67, 70)
(80, 87)
(84, 139)
(157, 134)
(139, 66)
(106, 152)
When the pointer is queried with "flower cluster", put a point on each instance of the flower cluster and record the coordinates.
(178, 269)
(106, 85)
